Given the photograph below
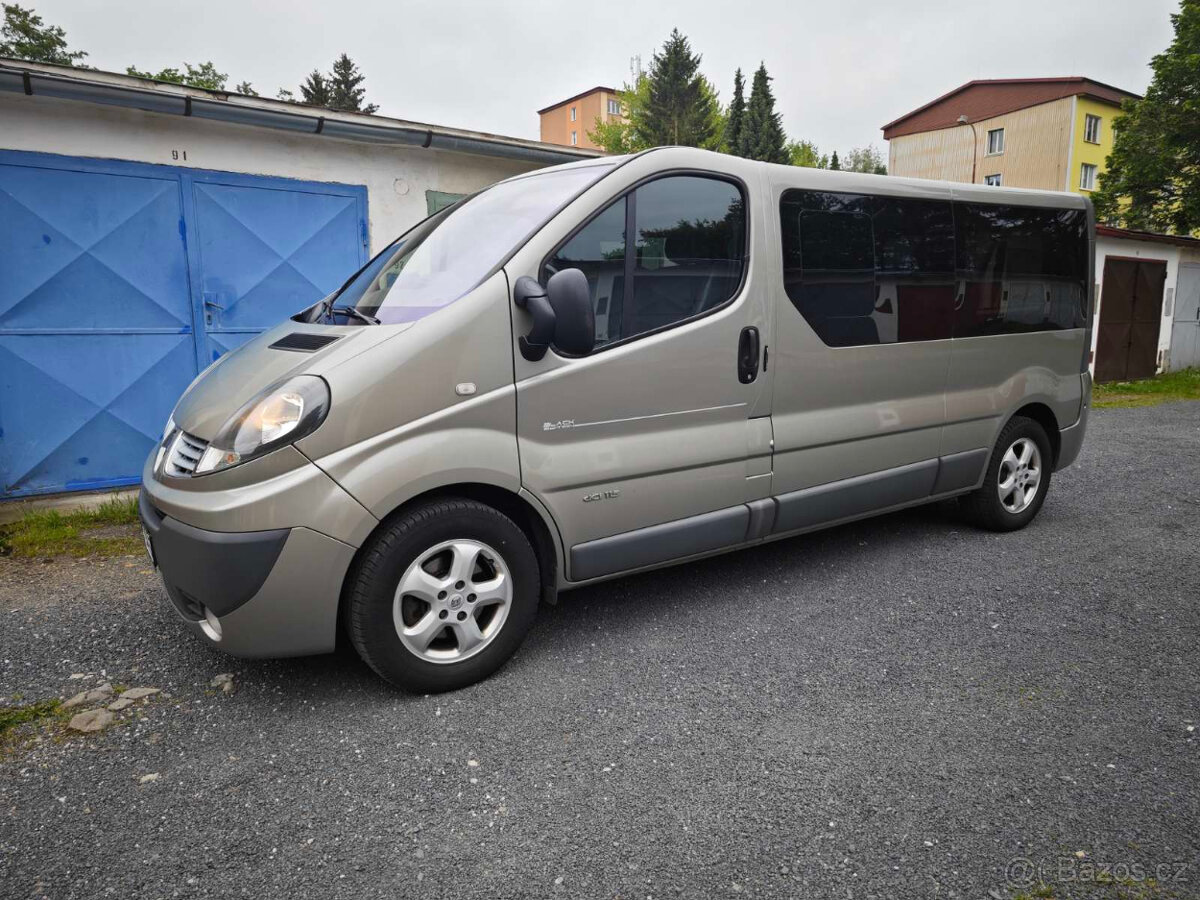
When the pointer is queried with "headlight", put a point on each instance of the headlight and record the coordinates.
(168, 432)
(282, 414)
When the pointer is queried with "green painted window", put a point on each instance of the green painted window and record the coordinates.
(435, 200)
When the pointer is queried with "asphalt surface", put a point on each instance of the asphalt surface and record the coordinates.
(903, 707)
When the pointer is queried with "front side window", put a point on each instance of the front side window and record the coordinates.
(572, 114)
(574, 138)
(869, 270)
(614, 107)
(1091, 129)
(448, 254)
(678, 241)
(993, 180)
(995, 141)
(1087, 177)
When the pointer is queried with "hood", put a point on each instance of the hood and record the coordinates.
(240, 375)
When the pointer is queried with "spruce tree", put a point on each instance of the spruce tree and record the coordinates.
(762, 135)
(834, 163)
(345, 87)
(737, 114)
(315, 90)
(682, 107)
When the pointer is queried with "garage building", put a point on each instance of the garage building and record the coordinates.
(1148, 304)
(147, 228)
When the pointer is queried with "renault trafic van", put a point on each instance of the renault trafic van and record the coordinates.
(607, 367)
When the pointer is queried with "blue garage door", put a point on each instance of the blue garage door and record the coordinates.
(119, 281)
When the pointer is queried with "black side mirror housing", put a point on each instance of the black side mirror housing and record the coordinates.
(575, 318)
(562, 314)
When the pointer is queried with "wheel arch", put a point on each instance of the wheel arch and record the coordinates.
(535, 522)
(1044, 416)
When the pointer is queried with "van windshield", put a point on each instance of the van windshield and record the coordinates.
(448, 254)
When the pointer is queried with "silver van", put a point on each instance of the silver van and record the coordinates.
(612, 366)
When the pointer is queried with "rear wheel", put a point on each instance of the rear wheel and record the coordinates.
(443, 595)
(1016, 481)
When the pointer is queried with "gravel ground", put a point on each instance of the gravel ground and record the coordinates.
(896, 708)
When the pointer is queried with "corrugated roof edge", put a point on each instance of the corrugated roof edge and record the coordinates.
(1128, 234)
(114, 89)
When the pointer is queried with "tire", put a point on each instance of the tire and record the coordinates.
(421, 639)
(985, 507)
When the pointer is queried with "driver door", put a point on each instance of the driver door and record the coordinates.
(647, 449)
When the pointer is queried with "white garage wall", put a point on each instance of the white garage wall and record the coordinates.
(1150, 250)
(396, 178)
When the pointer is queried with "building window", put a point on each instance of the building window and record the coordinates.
(572, 113)
(995, 143)
(1087, 177)
(437, 200)
(574, 138)
(1091, 129)
(614, 107)
(993, 180)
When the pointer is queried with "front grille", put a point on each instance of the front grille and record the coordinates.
(184, 455)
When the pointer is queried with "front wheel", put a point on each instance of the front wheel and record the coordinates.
(1016, 481)
(443, 595)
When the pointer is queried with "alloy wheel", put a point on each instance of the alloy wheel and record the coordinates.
(452, 601)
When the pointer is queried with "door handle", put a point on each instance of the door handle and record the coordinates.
(210, 303)
(748, 353)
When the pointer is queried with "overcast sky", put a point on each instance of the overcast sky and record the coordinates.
(841, 68)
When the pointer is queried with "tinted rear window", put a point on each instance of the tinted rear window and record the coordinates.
(866, 269)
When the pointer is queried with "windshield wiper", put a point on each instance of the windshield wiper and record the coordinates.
(352, 313)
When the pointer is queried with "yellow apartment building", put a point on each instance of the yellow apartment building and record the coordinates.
(568, 122)
(1045, 133)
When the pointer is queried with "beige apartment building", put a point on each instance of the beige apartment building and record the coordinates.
(1047, 133)
(568, 122)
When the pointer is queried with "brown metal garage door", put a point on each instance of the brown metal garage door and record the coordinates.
(1130, 317)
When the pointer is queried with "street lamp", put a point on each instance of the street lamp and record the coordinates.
(963, 120)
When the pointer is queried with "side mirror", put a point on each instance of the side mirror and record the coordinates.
(575, 318)
(562, 314)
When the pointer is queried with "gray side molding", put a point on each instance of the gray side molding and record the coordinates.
(758, 520)
(659, 543)
(855, 496)
(960, 471)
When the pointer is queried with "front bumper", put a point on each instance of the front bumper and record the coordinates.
(253, 557)
(265, 593)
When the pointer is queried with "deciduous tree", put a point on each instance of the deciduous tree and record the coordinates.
(204, 76)
(1152, 181)
(26, 36)
(805, 153)
(865, 159)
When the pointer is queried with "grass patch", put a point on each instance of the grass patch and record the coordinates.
(12, 716)
(1184, 385)
(106, 530)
